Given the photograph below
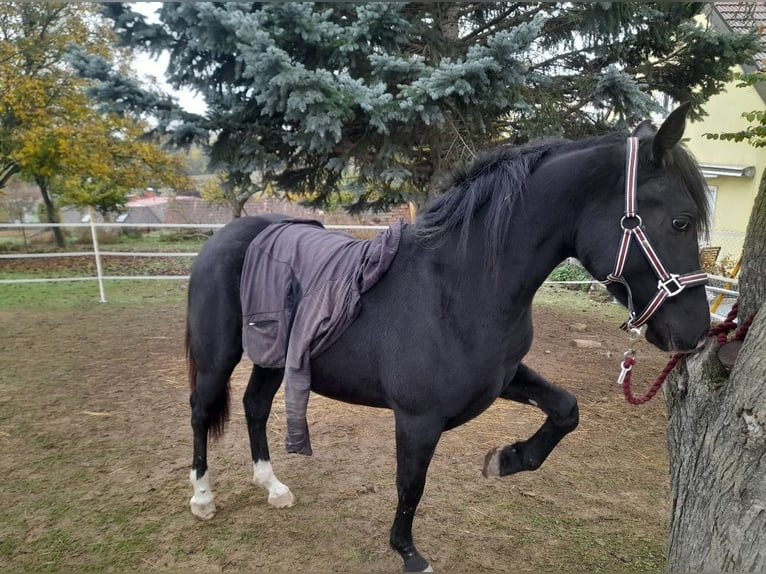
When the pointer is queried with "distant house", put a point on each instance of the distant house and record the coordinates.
(181, 209)
(186, 209)
(732, 170)
(144, 210)
(153, 209)
(139, 210)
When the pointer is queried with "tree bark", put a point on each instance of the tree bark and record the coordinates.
(717, 435)
(448, 15)
(7, 171)
(717, 438)
(752, 291)
(51, 211)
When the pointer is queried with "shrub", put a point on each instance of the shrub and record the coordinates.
(570, 271)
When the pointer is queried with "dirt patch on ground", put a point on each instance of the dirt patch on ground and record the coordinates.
(97, 445)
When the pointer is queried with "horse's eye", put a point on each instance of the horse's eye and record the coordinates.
(681, 223)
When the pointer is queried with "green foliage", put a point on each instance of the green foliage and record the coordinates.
(571, 272)
(195, 160)
(50, 132)
(754, 134)
(232, 188)
(395, 95)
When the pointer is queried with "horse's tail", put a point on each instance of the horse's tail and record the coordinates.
(218, 410)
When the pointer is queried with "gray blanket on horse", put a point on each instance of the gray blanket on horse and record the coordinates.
(301, 288)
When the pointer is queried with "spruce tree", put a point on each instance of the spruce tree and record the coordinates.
(381, 100)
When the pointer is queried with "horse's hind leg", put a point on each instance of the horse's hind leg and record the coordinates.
(259, 395)
(210, 407)
(563, 416)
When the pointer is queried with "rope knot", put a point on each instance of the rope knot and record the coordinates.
(720, 331)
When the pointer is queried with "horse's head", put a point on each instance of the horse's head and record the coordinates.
(648, 256)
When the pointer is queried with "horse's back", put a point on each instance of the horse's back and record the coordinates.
(224, 252)
(214, 310)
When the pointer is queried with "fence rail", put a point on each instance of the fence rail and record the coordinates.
(155, 226)
(93, 254)
(722, 294)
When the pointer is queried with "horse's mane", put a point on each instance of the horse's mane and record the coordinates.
(497, 179)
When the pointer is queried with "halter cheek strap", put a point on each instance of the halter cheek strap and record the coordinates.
(669, 284)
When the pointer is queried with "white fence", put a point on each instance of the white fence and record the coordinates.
(96, 253)
(722, 291)
(722, 294)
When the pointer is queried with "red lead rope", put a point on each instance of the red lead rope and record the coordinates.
(656, 386)
(719, 331)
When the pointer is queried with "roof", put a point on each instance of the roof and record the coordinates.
(147, 201)
(185, 209)
(745, 18)
(188, 209)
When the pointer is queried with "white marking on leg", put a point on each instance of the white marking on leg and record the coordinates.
(532, 402)
(279, 494)
(428, 569)
(202, 505)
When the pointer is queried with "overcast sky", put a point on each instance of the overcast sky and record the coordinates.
(148, 67)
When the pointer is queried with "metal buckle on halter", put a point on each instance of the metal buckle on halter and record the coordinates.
(633, 218)
(634, 333)
(624, 370)
(666, 285)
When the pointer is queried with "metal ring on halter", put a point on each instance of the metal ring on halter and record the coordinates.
(637, 217)
(634, 334)
(673, 281)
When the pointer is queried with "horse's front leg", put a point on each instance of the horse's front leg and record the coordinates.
(257, 402)
(416, 439)
(561, 407)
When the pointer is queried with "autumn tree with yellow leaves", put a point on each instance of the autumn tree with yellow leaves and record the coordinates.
(51, 133)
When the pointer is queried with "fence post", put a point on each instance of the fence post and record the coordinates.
(94, 237)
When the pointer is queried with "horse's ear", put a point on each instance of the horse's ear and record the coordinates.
(644, 129)
(671, 131)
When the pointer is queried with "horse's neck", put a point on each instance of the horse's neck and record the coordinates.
(549, 220)
(502, 285)
(541, 234)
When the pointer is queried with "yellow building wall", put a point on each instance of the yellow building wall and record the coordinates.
(735, 195)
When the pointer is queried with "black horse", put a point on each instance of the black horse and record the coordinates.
(443, 333)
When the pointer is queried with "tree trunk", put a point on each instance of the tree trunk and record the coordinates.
(717, 438)
(237, 206)
(449, 22)
(7, 171)
(752, 292)
(51, 211)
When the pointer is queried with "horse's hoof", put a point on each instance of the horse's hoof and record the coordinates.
(492, 463)
(417, 564)
(282, 499)
(202, 505)
(203, 509)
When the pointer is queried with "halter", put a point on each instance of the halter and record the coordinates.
(669, 284)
